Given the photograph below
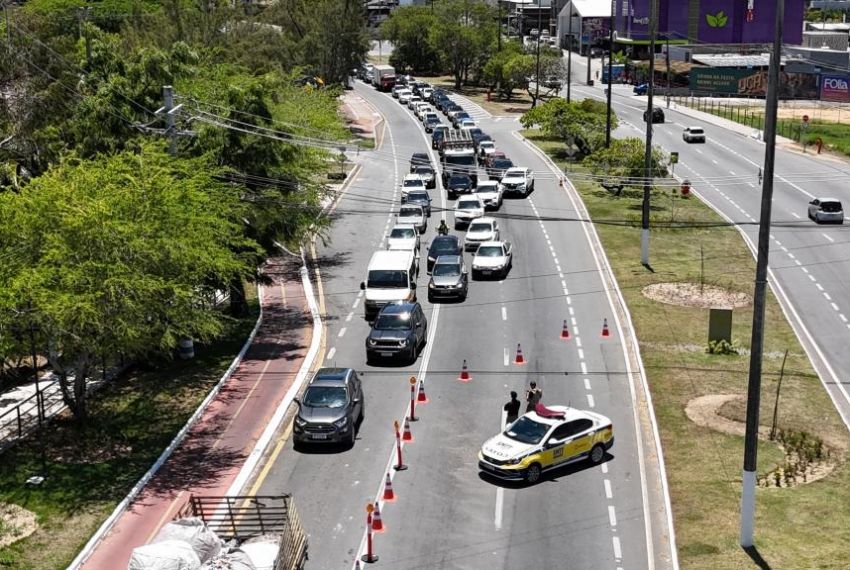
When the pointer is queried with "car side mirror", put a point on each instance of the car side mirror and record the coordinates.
(362, 285)
(297, 402)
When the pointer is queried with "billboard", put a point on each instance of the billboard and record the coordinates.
(712, 21)
(835, 88)
(752, 83)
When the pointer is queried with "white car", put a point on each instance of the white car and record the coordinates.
(414, 215)
(826, 210)
(485, 148)
(693, 134)
(413, 181)
(468, 208)
(492, 258)
(490, 193)
(547, 438)
(417, 107)
(404, 96)
(396, 90)
(518, 180)
(466, 124)
(426, 93)
(403, 237)
(413, 100)
(480, 231)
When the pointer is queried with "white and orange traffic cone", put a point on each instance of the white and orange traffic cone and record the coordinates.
(407, 436)
(464, 373)
(421, 397)
(565, 331)
(377, 523)
(605, 332)
(389, 495)
(520, 359)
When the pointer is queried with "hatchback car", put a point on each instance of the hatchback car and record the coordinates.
(826, 211)
(399, 331)
(443, 245)
(331, 408)
(449, 279)
(467, 209)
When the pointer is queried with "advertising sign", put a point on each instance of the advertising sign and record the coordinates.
(835, 88)
(753, 83)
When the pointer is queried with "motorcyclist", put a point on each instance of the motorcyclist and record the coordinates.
(443, 229)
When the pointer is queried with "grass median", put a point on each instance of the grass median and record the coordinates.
(804, 484)
(91, 468)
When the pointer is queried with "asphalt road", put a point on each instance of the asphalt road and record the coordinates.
(447, 515)
(810, 264)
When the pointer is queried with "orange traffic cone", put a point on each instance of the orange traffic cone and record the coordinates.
(407, 436)
(605, 332)
(422, 398)
(565, 332)
(389, 495)
(520, 359)
(377, 523)
(464, 373)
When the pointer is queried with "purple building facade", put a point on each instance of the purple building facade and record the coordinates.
(710, 21)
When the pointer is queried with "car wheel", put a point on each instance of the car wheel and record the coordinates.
(532, 474)
(430, 298)
(597, 454)
(352, 438)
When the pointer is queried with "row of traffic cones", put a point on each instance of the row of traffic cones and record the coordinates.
(519, 359)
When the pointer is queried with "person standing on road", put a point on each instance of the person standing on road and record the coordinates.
(533, 396)
(512, 408)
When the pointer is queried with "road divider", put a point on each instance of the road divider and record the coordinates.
(411, 417)
(605, 332)
(389, 494)
(399, 465)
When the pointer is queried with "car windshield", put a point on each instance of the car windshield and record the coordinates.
(486, 188)
(489, 251)
(385, 279)
(526, 430)
(833, 207)
(480, 227)
(459, 180)
(468, 205)
(403, 233)
(447, 270)
(417, 196)
(408, 182)
(695, 131)
(325, 397)
(427, 170)
(393, 322)
(487, 145)
(439, 247)
(410, 213)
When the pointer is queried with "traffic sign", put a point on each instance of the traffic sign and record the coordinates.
(674, 157)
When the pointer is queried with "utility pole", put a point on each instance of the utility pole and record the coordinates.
(668, 69)
(610, 71)
(587, 82)
(170, 130)
(499, 26)
(647, 161)
(570, 52)
(537, 64)
(748, 495)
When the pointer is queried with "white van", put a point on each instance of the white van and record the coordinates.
(391, 277)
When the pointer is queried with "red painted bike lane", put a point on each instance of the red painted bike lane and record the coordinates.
(208, 460)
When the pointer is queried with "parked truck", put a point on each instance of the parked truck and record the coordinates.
(383, 77)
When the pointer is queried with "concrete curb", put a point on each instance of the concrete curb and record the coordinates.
(605, 269)
(107, 525)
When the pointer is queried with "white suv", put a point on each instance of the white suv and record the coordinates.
(518, 180)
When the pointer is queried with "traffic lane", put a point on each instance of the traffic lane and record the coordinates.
(599, 361)
(444, 506)
(331, 484)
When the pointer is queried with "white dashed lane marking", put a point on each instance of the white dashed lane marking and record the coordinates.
(618, 552)
(342, 332)
(590, 402)
(504, 314)
(608, 493)
(331, 353)
(587, 383)
(827, 237)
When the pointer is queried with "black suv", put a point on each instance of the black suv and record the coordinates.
(443, 245)
(458, 184)
(419, 159)
(399, 330)
(657, 115)
(331, 408)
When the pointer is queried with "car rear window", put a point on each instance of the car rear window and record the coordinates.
(831, 207)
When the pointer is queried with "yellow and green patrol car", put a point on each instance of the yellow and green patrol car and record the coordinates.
(545, 439)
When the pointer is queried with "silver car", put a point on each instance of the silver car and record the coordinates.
(448, 278)
(826, 211)
(413, 215)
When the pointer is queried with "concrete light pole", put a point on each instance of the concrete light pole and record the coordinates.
(570, 52)
(610, 70)
(647, 161)
(748, 495)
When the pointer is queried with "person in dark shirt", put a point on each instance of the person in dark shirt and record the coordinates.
(512, 408)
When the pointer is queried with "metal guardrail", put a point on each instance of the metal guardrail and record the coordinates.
(29, 414)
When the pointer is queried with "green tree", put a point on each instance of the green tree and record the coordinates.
(624, 162)
(113, 255)
(579, 124)
(337, 41)
(463, 35)
(506, 70)
(409, 28)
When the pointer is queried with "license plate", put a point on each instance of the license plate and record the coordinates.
(486, 271)
(386, 354)
(319, 436)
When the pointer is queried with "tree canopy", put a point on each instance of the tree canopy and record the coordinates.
(624, 161)
(579, 124)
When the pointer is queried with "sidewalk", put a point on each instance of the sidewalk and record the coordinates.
(208, 460)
